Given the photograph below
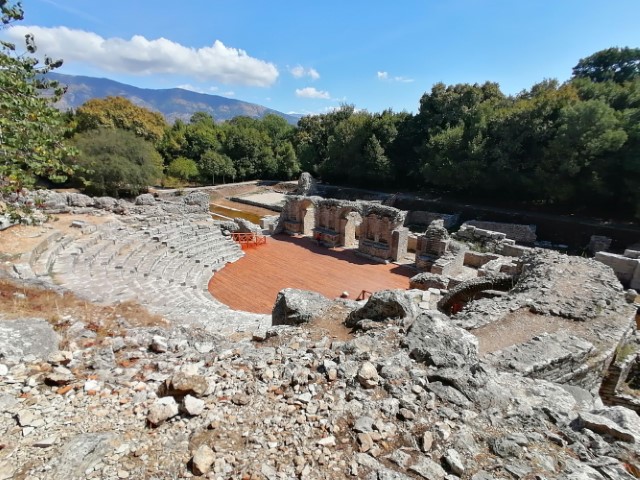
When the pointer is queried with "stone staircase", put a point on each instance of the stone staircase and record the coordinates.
(164, 264)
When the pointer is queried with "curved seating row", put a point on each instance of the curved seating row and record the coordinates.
(163, 264)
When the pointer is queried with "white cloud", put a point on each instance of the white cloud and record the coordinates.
(311, 92)
(139, 56)
(228, 93)
(299, 71)
(384, 76)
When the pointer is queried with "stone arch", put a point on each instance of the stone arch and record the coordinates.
(350, 221)
(307, 215)
(472, 289)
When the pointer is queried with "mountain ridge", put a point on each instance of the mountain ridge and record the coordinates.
(172, 103)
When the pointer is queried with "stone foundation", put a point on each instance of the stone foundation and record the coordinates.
(626, 267)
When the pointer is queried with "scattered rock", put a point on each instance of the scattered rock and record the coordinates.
(162, 410)
(295, 307)
(202, 460)
(368, 375)
(193, 406)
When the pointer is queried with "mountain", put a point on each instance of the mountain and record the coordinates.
(173, 103)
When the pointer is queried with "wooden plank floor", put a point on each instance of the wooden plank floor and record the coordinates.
(253, 282)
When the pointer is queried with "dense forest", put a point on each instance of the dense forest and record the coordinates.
(572, 146)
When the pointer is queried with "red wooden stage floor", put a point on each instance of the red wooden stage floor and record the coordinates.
(253, 282)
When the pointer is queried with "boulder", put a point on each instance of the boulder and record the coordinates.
(245, 226)
(80, 453)
(384, 305)
(618, 422)
(306, 184)
(27, 336)
(229, 226)
(51, 200)
(162, 410)
(294, 307)
(425, 281)
(202, 460)
(181, 384)
(79, 200)
(105, 203)
(145, 199)
(5, 222)
(199, 199)
(432, 339)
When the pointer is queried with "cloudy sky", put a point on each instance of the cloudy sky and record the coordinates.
(311, 56)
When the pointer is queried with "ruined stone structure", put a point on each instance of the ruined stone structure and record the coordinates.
(376, 230)
(599, 243)
(338, 223)
(306, 184)
(382, 235)
(513, 231)
(626, 266)
(298, 215)
(437, 253)
(424, 218)
(490, 241)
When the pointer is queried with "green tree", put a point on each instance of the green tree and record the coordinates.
(286, 161)
(214, 164)
(578, 158)
(617, 64)
(117, 162)
(183, 168)
(118, 112)
(32, 142)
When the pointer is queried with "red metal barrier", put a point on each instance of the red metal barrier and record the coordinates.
(363, 295)
(249, 240)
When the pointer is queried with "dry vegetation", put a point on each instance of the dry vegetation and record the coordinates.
(60, 309)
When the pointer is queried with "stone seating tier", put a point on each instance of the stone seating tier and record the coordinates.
(168, 274)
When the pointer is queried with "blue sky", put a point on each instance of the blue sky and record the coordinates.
(311, 56)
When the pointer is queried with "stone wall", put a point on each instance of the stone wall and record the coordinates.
(513, 231)
(627, 269)
(421, 217)
(379, 224)
(490, 241)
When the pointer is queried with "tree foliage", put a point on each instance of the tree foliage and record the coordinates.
(613, 64)
(118, 112)
(574, 145)
(117, 162)
(183, 168)
(32, 142)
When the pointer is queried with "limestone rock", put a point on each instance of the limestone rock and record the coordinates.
(193, 406)
(198, 199)
(158, 344)
(27, 336)
(162, 410)
(295, 307)
(80, 453)
(433, 340)
(79, 200)
(202, 459)
(368, 375)
(382, 306)
(426, 280)
(106, 203)
(617, 422)
(452, 458)
(53, 200)
(181, 384)
(306, 184)
(428, 469)
(145, 199)
(245, 226)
